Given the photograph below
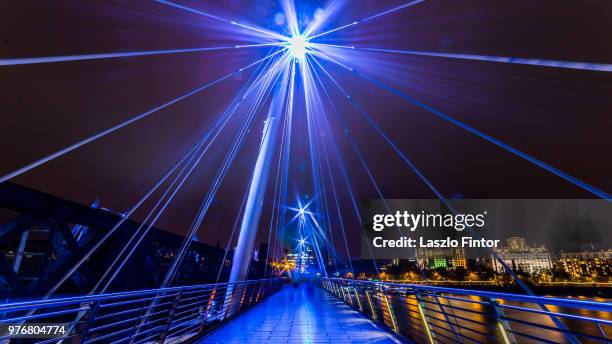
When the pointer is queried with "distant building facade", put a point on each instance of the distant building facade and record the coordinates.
(303, 261)
(519, 256)
(597, 264)
(441, 257)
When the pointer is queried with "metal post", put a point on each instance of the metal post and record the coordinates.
(358, 300)
(20, 250)
(91, 315)
(253, 288)
(258, 291)
(391, 314)
(371, 306)
(244, 288)
(458, 337)
(169, 318)
(227, 303)
(421, 306)
(205, 312)
(502, 324)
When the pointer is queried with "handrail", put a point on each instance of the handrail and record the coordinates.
(113, 317)
(474, 315)
(600, 306)
(98, 297)
(607, 307)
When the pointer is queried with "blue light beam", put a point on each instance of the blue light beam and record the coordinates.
(600, 67)
(217, 128)
(371, 17)
(267, 33)
(125, 123)
(84, 57)
(581, 184)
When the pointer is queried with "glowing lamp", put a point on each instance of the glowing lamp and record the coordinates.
(297, 47)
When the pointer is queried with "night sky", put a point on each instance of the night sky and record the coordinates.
(561, 116)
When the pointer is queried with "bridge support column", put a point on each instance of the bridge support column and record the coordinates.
(257, 190)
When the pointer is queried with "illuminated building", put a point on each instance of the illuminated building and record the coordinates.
(395, 262)
(517, 243)
(597, 264)
(480, 263)
(441, 257)
(302, 261)
(520, 256)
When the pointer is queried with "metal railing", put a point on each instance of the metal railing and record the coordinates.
(426, 314)
(168, 315)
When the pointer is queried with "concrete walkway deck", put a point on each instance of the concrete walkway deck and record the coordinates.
(300, 314)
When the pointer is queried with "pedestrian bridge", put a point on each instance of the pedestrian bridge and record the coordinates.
(322, 311)
(295, 115)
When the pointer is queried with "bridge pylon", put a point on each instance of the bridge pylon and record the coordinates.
(257, 190)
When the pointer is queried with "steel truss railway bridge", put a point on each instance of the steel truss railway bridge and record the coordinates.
(294, 81)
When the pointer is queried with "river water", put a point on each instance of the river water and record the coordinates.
(473, 319)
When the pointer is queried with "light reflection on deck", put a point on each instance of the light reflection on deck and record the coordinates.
(300, 314)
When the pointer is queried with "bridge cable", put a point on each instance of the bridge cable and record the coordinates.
(212, 192)
(443, 199)
(278, 193)
(457, 331)
(207, 201)
(581, 184)
(114, 228)
(282, 218)
(125, 54)
(315, 111)
(232, 22)
(352, 197)
(231, 238)
(123, 124)
(218, 127)
(371, 17)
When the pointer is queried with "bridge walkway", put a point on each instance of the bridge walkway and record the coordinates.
(302, 313)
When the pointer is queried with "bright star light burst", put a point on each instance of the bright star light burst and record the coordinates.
(298, 46)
